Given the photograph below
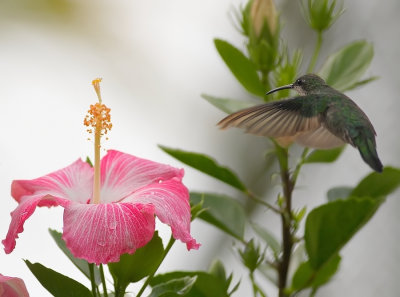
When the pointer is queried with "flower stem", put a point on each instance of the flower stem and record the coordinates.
(151, 276)
(103, 281)
(316, 52)
(92, 281)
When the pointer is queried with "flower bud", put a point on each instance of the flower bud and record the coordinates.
(262, 21)
(321, 14)
(263, 12)
(251, 255)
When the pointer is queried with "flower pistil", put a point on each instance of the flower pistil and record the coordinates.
(98, 120)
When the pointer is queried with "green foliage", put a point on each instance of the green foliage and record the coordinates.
(217, 269)
(268, 238)
(223, 212)
(205, 285)
(378, 184)
(339, 193)
(251, 255)
(286, 72)
(206, 165)
(268, 63)
(330, 226)
(132, 268)
(242, 68)
(321, 14)
(81, 264)
(227, 105)
(56, 283)
(174, 287)
(324, 156)
(343, 69)
(306, 277)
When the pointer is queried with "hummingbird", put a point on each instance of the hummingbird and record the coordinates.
(321, 117)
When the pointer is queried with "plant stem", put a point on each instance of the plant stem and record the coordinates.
(92, 281)
(119, 289)
(265, 82)
(151, 276)
(316, 52)
(260, 201)
(300, 164)
(286, 217)
(256, 288)
(103, 280)
(313, 292)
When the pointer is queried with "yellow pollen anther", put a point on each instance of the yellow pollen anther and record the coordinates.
(98, 119)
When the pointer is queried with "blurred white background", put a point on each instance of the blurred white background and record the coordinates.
(156, 57)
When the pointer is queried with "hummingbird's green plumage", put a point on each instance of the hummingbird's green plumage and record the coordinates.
(321, 117)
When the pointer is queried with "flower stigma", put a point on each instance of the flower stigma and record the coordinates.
(98, 121)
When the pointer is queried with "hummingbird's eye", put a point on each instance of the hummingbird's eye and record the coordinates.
(299, 82)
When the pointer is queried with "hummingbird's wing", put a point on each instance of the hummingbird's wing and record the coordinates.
(288, 120)
(275, 119)
(320, 138)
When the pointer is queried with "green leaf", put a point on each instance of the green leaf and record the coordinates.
(174, 287)
(217, 269)
(133, 267)
(305, 276)
(242, 68)
(222, 212)
(251, 255)
(339, 193)
(89, 161)
(227, 105)
(344, 68)
(330, 226)
(361, 83)
(206, 165)
(268, 237)
(324, 156)
(57, 284)
(81, 264)
(206, 285)
(378, 184)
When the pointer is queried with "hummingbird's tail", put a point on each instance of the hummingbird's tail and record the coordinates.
(367, 149)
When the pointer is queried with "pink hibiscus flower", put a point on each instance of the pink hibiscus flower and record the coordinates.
(132, 190)
(12, 287)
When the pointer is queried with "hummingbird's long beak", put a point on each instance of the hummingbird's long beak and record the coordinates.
(281, 88)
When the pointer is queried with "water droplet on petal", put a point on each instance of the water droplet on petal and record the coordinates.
(101, 243)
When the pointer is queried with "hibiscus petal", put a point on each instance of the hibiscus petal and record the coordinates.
(122, 174)
(24, 210)
(171, 201)
(100, 233)
(74, 182)
(12, 287)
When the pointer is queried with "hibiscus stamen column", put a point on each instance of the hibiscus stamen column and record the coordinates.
(98, 120)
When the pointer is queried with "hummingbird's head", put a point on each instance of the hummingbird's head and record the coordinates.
(304, 85)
